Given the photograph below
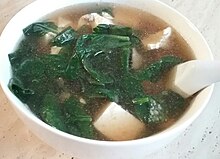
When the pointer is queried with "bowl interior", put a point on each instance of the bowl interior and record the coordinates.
(13, 32)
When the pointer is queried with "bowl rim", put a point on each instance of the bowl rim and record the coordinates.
(155, 137)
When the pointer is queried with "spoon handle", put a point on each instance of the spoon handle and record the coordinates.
(190, 77)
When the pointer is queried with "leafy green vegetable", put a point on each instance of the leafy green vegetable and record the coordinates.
(30, 83)
(40, 68)
(40, 29)
(94, 65)
(99, 77)
(67, 36)
(31, 68)
(136, 42)
(50, 66)
(106, 64)
(157, 113)
(51, 113)
(111, 95)
(18, 89)
(126, 60)
(173, 101)
(14, 60)
(89, 47)
(159, 108)
(155, 70)
(55, 65)
(67, 51)
(131, 86)
(39, 74)
(149, 110)
(94, 44)
(113, 30)
(73, 68)
(77, 120)
(118, 30)
(27, 49)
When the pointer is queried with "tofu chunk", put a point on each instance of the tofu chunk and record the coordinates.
(94, 20)
(137, 59)
(158, 40)
(55, 50)
(118, 124)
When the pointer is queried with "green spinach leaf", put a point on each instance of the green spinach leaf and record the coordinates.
(173, 101)
(94, 44)
(155, 70)
(158, 108)
(111, 95)
(17, 87)
(129, 88)
(74, 68)
(125, 60)
(118, 30)
(67, 36)
(67, 51)
(51, 112)
(149, 110)
(31, 69)
(91, 47)
(98, 76)
(77, 119)
(27, 50)
(55, 65)
(40, 29)
(113, 30)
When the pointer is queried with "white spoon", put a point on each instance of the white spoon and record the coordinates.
(190, 77)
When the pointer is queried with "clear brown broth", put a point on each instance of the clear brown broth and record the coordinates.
(139, 20)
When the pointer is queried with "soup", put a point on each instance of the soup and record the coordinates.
(99, 71)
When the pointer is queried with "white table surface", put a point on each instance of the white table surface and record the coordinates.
(200, 141)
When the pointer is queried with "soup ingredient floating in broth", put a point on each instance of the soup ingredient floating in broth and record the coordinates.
(118, 124)
(94, 19)
(90, 83)
(158, 40)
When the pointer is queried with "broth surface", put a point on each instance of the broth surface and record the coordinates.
(145, 23)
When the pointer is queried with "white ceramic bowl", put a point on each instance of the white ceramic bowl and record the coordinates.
(92, 149)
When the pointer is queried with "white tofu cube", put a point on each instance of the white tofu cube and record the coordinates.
(117, 124)
(55, 50)
(137, 59)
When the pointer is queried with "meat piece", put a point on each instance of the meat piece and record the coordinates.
(94, 20)
(158, 40)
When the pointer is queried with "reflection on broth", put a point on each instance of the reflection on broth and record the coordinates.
(99, 71)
